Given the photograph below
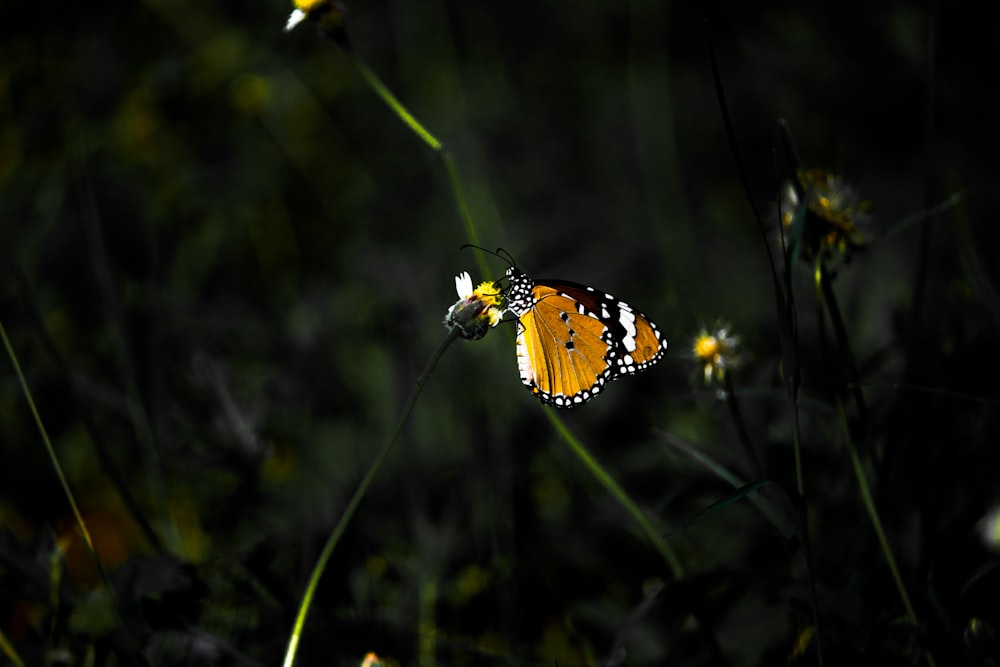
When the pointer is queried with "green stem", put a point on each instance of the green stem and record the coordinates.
(803, 510)
(55, 460)
(639, 517)
(759, 500)
(352, 505)
(394, 104)
(9, 650)
(121, 346)
(800, 484)
(824, 343)
(427, 650)
(788, 318)
(754, 466)
(843, 341)
(869, 503)
(434, 144)
(107, 461)
(618, 493)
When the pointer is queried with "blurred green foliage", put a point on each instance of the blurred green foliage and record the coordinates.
(225, 262)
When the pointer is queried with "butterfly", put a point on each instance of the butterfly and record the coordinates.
(573, 339)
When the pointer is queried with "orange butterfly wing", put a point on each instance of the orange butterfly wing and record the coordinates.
(573, 339)
(562, 355)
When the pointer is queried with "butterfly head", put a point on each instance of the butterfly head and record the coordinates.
(519, 295)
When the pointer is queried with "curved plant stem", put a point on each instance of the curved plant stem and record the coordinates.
(617, 492)
(428, 597)
(8, 650)
(108, 465)
(435, 145)
(441, 150)
(869, 503)
(829, 299)
(352, 505)
(754, 466)
(80, 523)
(394, 104)
(749, 491)
(784, 299)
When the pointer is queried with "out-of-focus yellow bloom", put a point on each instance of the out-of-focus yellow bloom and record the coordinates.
(476, 309)
(251, 93)
(801, 643)
(372, 660)
(834, 214)
(716, 351)
(469, 583)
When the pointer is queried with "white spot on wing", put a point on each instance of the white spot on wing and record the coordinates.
(627, 319)
(524, 361)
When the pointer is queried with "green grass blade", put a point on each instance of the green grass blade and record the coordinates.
(876, 521)
(761, 502)
(50, 450)
(331, 542)
(434, 144)
(617, 492)
(9, 650)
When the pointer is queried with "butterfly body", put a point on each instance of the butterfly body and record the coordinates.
(573, 339)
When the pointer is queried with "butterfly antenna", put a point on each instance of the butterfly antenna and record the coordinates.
(499, 252)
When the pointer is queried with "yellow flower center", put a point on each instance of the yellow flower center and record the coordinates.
(706, 348)
(308, 5)
(489, 292)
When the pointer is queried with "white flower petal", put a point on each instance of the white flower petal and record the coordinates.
(463, 285)
(295, 18)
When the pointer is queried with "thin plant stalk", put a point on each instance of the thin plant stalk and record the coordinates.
(617, 492)
(923, 250)
(793, 385)
(8, 650)
(794, 380)
(428, 595)
(873, 516)
(829, 299)
(800, 484)
(410, 121)
(828, 367)
(803, 508)
(138, 413)
(50, 450)
(787, 323)
(108, 465)
(352, 505)
(759, 500)
(754, 466)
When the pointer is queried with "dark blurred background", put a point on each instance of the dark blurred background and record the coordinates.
(225, 262)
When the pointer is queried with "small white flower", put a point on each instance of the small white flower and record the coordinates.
(476, 309)
(717, 351)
